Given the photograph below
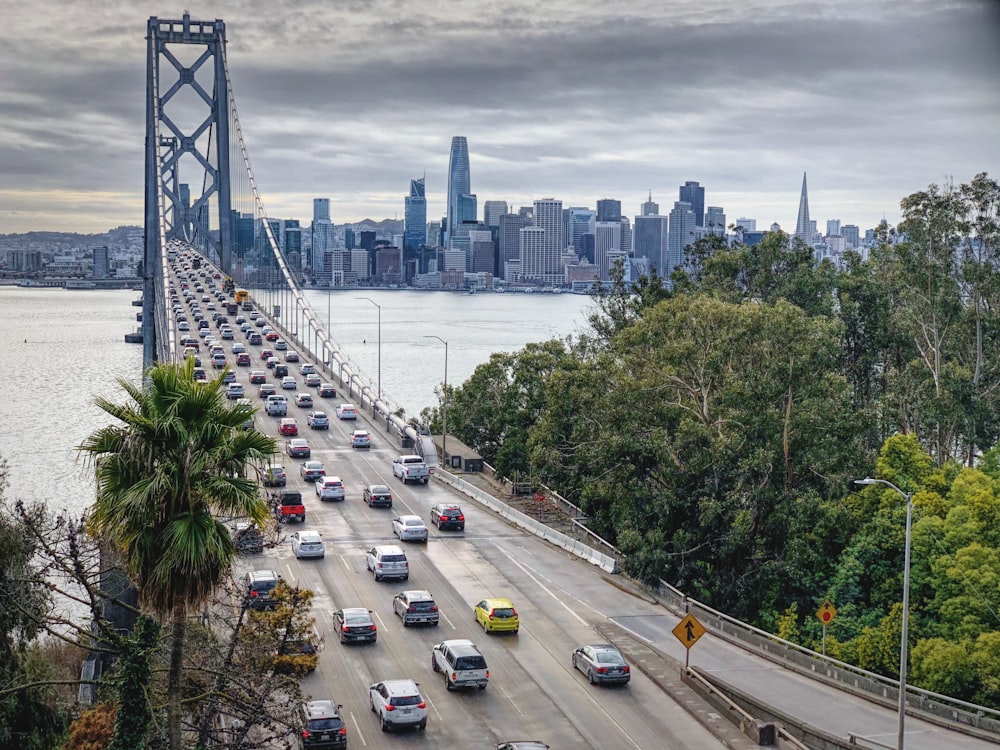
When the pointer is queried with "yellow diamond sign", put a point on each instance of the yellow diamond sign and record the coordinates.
(688, 631)
(826, 613)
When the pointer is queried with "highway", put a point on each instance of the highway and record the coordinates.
(533, 693)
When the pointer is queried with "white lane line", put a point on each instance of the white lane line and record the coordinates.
(343, 559)
(379, 618)
(357, 728)
(291, 575)
(431, 704)
(507, 696)
(450, 623)
(543, 587)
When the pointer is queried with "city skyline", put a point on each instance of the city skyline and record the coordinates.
(874, 100)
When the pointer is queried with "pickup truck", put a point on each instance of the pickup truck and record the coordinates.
(462, 664)
(276, 406)
(410, 469)
(288, 505)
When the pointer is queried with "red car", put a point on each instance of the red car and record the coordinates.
(272, 336)
(243, 360)
(288, 426)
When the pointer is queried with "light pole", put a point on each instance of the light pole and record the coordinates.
(908, 496)
(379, 343)
(444, 401)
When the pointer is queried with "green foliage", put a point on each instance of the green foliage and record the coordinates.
(132, 673)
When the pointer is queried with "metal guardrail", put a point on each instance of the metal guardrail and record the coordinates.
(531, 525)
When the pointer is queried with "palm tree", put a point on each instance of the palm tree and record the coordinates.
(177, 460)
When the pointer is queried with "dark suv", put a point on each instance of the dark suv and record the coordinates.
(448, 516)
(260, 588)
(377, 496)
(323, 727)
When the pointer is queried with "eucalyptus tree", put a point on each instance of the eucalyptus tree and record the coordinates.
(176, 462)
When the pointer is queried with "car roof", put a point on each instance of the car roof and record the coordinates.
(356, 611)
(263, 575)
(378, 488)
(311, 536)
(461, 644)
(401, 687)
(322, 709)
(389, 549)
(418, 594)
(410, 517)
(498, 602)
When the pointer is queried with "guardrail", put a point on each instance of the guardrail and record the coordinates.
(956, 714)
(532, 526)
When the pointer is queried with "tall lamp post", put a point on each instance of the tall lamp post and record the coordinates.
(444, 400)
(908, 496)
(379, 343)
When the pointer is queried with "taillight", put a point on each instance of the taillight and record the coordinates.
(373, 627)
(345, 629)
(627, 669)
(602, 670)
(434, 608)
(487, 674)
(421, 705)
(454, 676)
(342, 730)
(305, 734)
(390, 707)
(460, 518)
(411, 609)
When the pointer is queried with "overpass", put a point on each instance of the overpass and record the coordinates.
(241, 244)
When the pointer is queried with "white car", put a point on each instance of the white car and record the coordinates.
(308, 544)
(305, 400)
(234, 391)
(288, 383)
(312, 380)
(330, 488)
(346, 411)
(398, 703)
(409, 528)
(307, 369)
(361, 439)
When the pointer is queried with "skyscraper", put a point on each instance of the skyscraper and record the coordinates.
(679, 236)
(607, 239)
(649, 208)
(715, 220)
(609, 209)
(693, 193)
(322, 236)
(510, 239)
(415, 217)
(832, 227)
(459, 182)
(581, 221)
(492, 211)
(548, 217)
(651, 240)
(802, 223)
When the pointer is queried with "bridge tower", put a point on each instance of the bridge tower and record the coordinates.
(187, 150)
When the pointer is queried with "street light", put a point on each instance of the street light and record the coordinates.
(379, 343)
(444, 400)
(908, 496)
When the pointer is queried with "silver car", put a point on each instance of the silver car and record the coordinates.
(602, 663)
(308, 544)
(409, 528)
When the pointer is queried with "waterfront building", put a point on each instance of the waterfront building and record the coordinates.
(533, 265)
(803, 226)
(101, 267)
(586, 250)
(694, 194)
(580, 222)
(415, 216)
(545, 267)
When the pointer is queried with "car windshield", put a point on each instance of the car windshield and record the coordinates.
(379, 489)
(609, 657)
(322, 725)
(412, 522)
(357, 618)
(393, 558)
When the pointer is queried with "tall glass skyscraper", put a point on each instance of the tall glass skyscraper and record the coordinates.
(459, 184)
(803, 225)
(693, 193)
(415, 217)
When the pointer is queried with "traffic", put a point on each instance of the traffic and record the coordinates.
(419, 593)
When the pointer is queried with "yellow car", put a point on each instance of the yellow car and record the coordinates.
(497, 615)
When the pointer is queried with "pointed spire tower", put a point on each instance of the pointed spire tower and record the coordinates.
(802, 224)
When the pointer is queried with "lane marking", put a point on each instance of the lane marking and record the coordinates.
(507, 696)
(543, 587)
(357, 728)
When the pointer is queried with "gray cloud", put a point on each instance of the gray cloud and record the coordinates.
(573, 100)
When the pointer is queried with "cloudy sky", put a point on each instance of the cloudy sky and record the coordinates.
(349, 99)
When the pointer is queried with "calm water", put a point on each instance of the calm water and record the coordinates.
(64, 347)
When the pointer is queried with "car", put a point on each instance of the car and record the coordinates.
(307, 369)
(415, 607)
(266, 354)
(330, 488)
(346, 411)
(239, 348)
(227, 334)
(272, 336)
(280, 370)
(281, 345)
(288, 426)
(288, 383)
(327, 390)
(409, 528)
(305, 400)
(270, 362)
(387, 561)
(242, 359)
(261, 322)
(234, 391)
(355, 624)
(258, 376)
(602, 663)
(361, 439)
(183, 326)
(323, 727)
(398, 703)
(522, 745)
(377, 496)
(448, 516)
(297, 447)
(266, 389)
(312, 380)
(218, 361)
(312, 470)
(308, 544)
(318, 420)
(260, 586)
(497, 615)
(254, 339)
(199, 375)
(229, 377)
(291, 356)
(461, 663)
